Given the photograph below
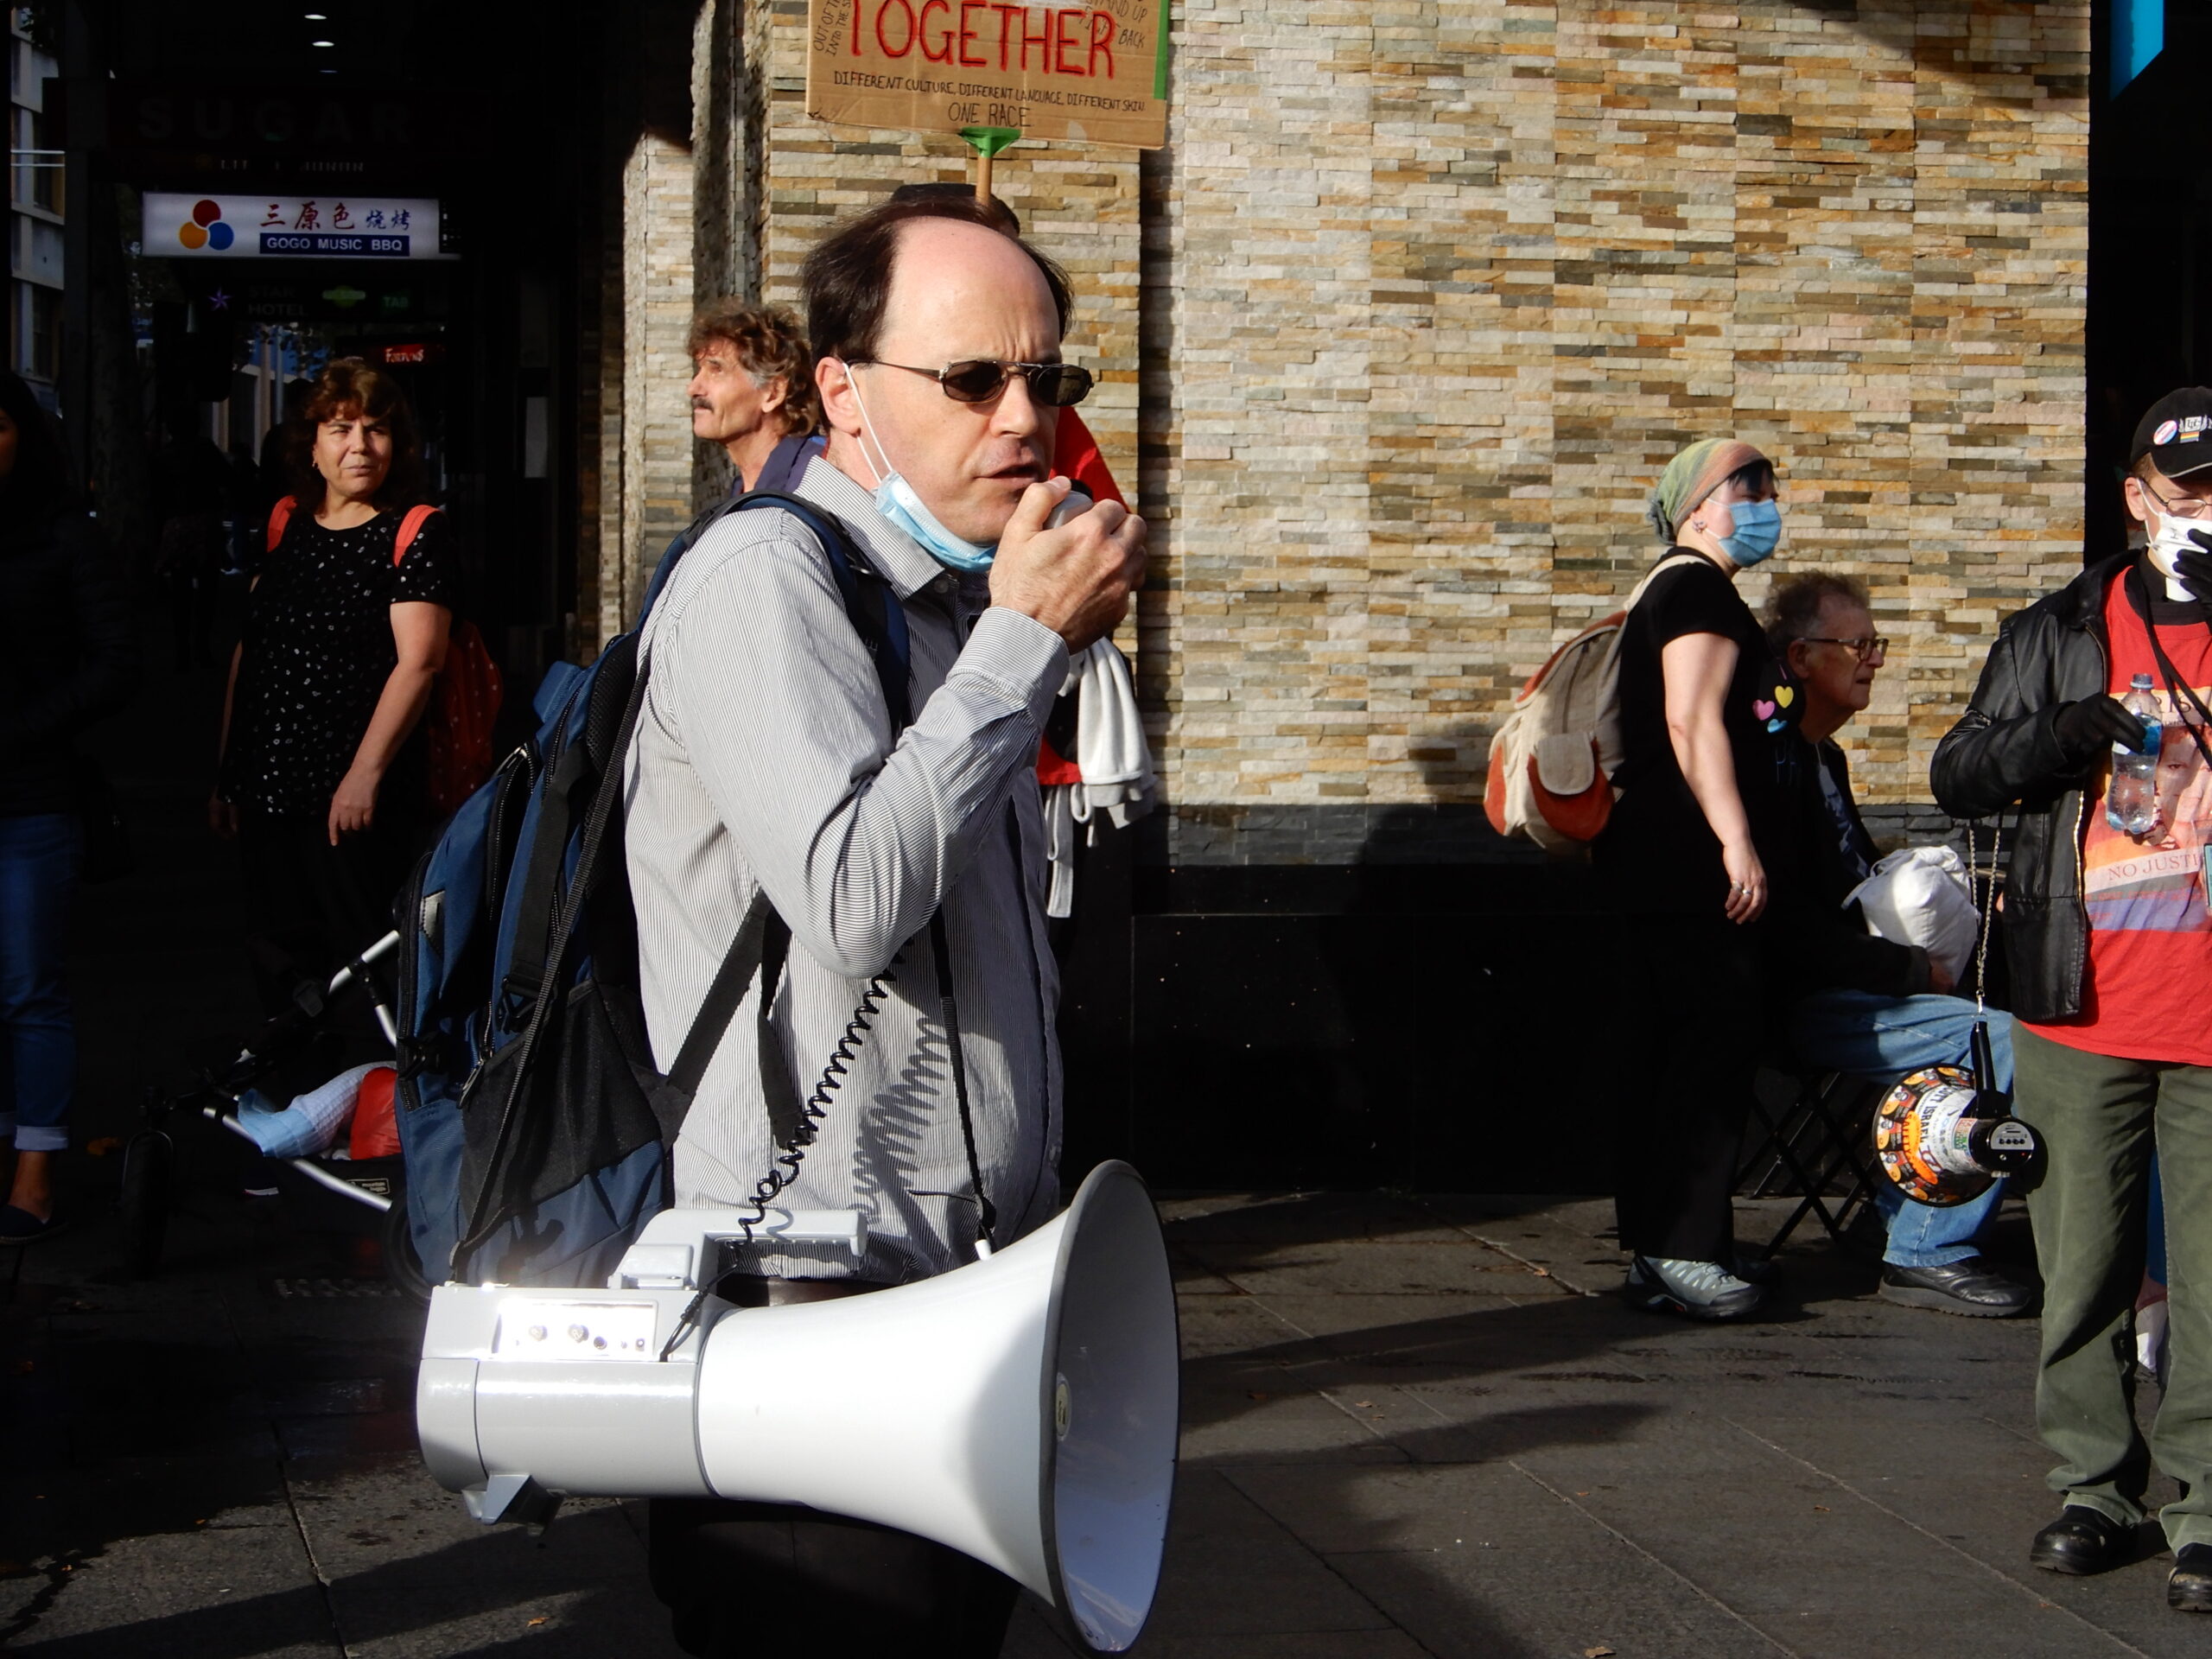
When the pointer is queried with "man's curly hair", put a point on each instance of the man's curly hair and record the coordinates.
(769, 343)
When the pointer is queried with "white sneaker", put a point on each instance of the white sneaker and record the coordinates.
(1700, 1290)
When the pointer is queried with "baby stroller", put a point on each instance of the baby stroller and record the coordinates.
(330, 1185)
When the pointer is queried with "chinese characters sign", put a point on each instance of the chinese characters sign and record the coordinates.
(297, 227)
(1095, 72)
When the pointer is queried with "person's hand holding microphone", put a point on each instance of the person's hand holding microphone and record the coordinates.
(1075, 577)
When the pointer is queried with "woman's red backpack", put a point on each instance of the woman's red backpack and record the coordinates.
(465, 703)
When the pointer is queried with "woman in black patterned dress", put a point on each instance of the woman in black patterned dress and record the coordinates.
(320, 775)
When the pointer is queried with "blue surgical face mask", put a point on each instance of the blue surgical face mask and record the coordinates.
(896, 499)
(1758, 528)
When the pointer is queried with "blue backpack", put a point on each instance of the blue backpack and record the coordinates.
(535, 1127)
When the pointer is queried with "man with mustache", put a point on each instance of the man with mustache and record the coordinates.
(753, 389)
(766, 764)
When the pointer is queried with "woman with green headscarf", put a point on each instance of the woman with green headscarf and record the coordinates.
(1705, 712)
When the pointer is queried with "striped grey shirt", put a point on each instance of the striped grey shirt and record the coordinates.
(764, 759)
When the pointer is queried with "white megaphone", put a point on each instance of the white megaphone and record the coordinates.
(1022, 1410)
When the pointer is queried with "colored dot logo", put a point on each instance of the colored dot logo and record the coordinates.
(206, 228)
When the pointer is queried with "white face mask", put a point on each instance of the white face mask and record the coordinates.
(899, 501)
(2172, 538)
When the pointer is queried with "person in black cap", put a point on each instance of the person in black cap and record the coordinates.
(2109, 939)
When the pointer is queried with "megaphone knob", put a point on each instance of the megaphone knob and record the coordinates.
(2003, 1144)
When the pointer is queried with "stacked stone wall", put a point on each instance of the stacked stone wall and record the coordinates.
(655, 444)
(1442, 287)
(1400, 328)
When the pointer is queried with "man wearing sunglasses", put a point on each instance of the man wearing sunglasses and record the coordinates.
(2109, 941)
(1870, 1006)
(767, 764)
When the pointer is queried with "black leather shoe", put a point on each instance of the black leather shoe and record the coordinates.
(2189, 1586)
(2082, 1540)
(1970, 1287)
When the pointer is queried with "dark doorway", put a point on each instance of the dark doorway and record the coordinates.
(2149, 299)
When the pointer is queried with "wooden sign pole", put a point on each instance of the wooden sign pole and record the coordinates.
(988, 142)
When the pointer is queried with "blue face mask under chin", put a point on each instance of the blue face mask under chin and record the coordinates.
(896, 499)
(1758, 528)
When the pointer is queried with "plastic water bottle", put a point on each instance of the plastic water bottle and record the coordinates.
(2132, 801)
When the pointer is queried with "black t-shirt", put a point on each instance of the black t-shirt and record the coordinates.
(317, 649)
(1657, 851)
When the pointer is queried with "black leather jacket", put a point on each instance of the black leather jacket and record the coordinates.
(2006, 749)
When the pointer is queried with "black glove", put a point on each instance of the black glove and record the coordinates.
(2194, 568)
(2085, 729)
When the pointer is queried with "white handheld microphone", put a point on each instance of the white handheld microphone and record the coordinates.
(1077, 500)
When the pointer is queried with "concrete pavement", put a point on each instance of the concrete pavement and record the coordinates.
(1412, 1427)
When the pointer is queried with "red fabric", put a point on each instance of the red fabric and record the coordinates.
(1075, 455)
(1053, 768)
(463, 710)
(376, 1125)
(465, 704)
(279, 517)
(410, 528)
(2150, 929)
(1581, 816)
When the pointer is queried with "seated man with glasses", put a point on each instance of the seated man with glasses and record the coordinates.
(1882, 1010)
(900, 858)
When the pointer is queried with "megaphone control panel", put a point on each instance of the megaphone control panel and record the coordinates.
(589, 1391)
(575, 1331)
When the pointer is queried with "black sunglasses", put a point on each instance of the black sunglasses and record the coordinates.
(977, 380)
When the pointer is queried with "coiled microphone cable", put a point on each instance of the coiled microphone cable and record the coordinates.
(790, 1152)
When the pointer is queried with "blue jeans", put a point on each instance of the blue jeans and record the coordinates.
(1883, 1038)
(39, 854)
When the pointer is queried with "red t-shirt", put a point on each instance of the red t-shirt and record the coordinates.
(2143, 993)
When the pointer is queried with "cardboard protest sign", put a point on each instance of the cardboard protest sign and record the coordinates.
(1095, 71)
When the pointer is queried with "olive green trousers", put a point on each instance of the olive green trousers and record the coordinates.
(2099, 1118)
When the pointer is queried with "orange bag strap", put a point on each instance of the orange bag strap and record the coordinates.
(410, 528)
(279, 518)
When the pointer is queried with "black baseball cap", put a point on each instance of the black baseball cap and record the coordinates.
(2176, 432)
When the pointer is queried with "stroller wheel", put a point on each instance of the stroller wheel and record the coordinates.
(401, 1265)
(147, 1162)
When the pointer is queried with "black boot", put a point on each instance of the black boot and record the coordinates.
(2189, 1586)
(2082, 1540)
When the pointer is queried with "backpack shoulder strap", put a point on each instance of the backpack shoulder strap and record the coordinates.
(681, 543)
(760, 946)
(870, 601)
(1673, 561)
(410, 528)
(762, 939)
(280, 520)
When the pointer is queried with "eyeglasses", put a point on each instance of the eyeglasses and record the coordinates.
(2190, 506)
(977, 380)
(1873, 644)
